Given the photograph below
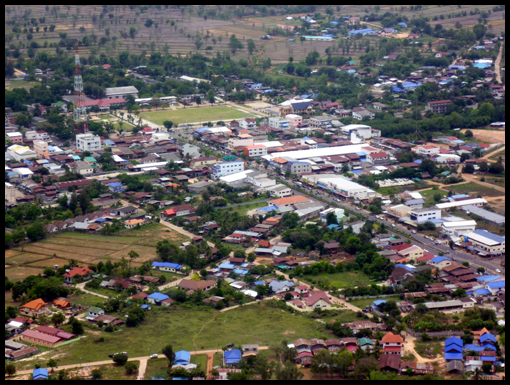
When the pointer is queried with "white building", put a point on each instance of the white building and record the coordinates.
(248, 124)
(83, 168)
(447, 158)
(341, 186)
(486, 242)
(280, 191)
(314, 153)
(227, 168)
(378, 158)
(359, 115)
(424, 215)
(339, 214)
(41, 149)
(458, 227)
(479, 202)
(121, 92)
(88, 142)
(255, 151)
(20, 153)
(361, 129)
(279, 122)
(428, 150)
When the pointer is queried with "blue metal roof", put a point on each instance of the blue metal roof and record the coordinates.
(491, 236)
(453, 356)
(379, 302)
(474, 348)
(145, 306)
(397, 89)
(268, 209)
(232, 356)
(182, 357)
(453, 340)
(227, 265)
(489, 346)
(258, 283)
(404, 267)
(40, 373)
(158, 296)
(170, 265)
(488, 278)
(482, 291)
(487, 337)
(490, 359)
(115, 184)
(240, 272)
(439, 259)
(357, 171)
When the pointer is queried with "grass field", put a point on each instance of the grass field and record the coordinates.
(194, 329)
(429, 349)
(428, 196)
(339, 280)
(494, 180)
(87, 249)
(361, 303)
(475, 189)
(243, 209)
(193, 115)
(19, 84)
(159, 367)
(85, 299)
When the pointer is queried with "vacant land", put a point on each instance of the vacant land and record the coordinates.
(339, 280)
(489, 136)
(428, 349)
(194, 115)
(475, 189)
(244, 209)
(159, 367)
(194, 329)
(85, 299)
(361, 303)
(88, 249)
(497, 155)
(10, 85)
(428, 196)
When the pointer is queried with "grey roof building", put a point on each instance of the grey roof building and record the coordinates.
(489, 216)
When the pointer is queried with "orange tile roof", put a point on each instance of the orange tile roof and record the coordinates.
(288, 200)
(61, 303)
(36, 304)
(135, 221)
(392, 338)
(82, 271)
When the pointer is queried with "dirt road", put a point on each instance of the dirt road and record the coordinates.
(81, 286)
(142, 368)
(181, 231)
(497, 64)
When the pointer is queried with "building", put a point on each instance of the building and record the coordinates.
(379, 158)
(356, 226)
(255, 151)
(489, 216)
(359, 115)
(88, 142)
(227, 168)
(340, 186)
(318, 299)
(248, 124)
(81, 272)
(39, 338)
(392, 343)
(457, 228)
(484, 242)
(193, 286)
(83, 168)
(424, 215)
(321, 121)
(281, 123)
(438, 107)
(280, 191)
(157, 298)
(479, 202)
(40, 374)
(167, 266)
(36, 308)
(338, 213)
(298, 168)
(415, 203)
(15, 137)
(241, 141)
(427, 150)
(411, 253)
(121, 92)
(288, 201)
(20, 153)
(294, 120)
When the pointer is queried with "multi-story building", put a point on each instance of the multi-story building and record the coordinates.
(88, 142)
(41, 149)
(379, 158)
(248, 124)
(280, 191)
(255, 151)
(484, 242)
(295, 120)
(121, 92)
(359, 115)
(424, 215)
(427, 150)
(15, 137)
(438, 107)
(243, 140)
(280, 123)
(227, 168)
(83, 168)
(321, 121)
(298, 168)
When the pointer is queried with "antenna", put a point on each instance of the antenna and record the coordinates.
(79, 110)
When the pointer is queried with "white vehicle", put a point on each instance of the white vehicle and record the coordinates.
(393, 225)
(414, 231)
(497, 271)
(154, 355)
(357, 208)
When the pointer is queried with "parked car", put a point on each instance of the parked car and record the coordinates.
(230, 345)
(497, 271)
(414, 231)
(155, 355)
(393, 225)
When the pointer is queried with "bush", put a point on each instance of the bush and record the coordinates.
(120, 358)
(96, 374)
(130, 367)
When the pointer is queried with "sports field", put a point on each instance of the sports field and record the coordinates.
(194, 115)
(86, 249)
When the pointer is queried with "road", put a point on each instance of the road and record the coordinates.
(497, 64)
(182, 231)
(81, 286)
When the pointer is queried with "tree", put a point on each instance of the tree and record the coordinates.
(120, 358)
(77, 327)
(132, 255)
(10, 369)
(251, 46)
(97, 374)
(364, 366)
(203, 273)
(58, 319)
(168, 124)
(480, 270)
(263, 368)
(288, 372)
(437, 197)
(52, 363)
(130, 367)
(487, 368)
(169, 353)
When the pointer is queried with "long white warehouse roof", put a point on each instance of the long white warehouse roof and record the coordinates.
(458, 224)
(314, 153)
(235, 177)
(473, 201)
(336, 180)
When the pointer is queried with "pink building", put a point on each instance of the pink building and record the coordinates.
(295, 120)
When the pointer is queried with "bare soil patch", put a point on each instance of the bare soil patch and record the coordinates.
(288, 332)
(491, 136)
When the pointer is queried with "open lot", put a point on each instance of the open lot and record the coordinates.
(489, 136)
(10, 85)
(193, 115)
(361, 303)
(339, 280)
(159, 367)
(193, 329)
(475, 190)
(87, 249)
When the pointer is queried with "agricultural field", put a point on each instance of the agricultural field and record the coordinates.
(339, 280)
(33, 258)
(475, 189)
(195, 115)
(194, 329)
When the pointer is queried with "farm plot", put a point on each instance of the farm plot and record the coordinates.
(204, 114)
(87, 249)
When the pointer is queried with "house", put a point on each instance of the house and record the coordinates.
(157, 298)
(418, 369)
(61, 304)
(167, 266)
(318, 299)
(36, 308)
(350, 343)
(453, 349)
(390, 362)
(411, 253)
(357, 326)
(366, 344)
(94, 312)
(232, 357)
(193, 286)
(281, 287)
(55, 332)
(316, 345)
(40, 374)
(378, 158)
(438, 107)
(392, 344)
(182, 210)
(456, 366)
(39, 338)
(333, 345)
(80, 272)
(182, 358)
(250, 349)
(124, 211)
(401, 275)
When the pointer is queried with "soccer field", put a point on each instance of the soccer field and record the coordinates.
(194, 115)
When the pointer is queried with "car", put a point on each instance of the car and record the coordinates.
(364, 311)
(414, 231)
(497, 271)
(111, 355)
(437, 242)
(155, 355)
(393, 225)
(357, 208)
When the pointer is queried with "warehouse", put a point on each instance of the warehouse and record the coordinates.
(484, 242)
(486, 215)
(475, 202)
(446, 305)
(457, 227)
(340, 186)
(317, 153)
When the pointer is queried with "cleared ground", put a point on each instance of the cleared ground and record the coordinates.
(194, 115)
(159, 367)
(86, 249)
(475, 189)
(490, 136)
(339, 280)
(10, 85)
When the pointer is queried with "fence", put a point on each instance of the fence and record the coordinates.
(452, 333)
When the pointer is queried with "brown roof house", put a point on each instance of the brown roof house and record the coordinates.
(193, 286)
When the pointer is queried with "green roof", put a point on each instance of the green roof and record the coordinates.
(365, 341)
(94, 309)
(352, 62)
(90, 159)
(59, 104)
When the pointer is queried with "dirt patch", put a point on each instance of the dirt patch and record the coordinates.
(93, 332)
(288, 332)
(491, 136)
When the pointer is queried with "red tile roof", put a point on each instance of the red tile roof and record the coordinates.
(81, 271)
(392, 338)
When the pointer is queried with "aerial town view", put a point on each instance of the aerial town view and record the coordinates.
(254, 192)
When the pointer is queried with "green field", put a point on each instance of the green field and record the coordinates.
(361, 303)
(429, 349)
(19, 84)
(497, 155)
(85, 299)
(475, 189)
(194, 329)
(194, 115)
(159, 367)
(428, 196)
(243, 209)
(339, 280)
